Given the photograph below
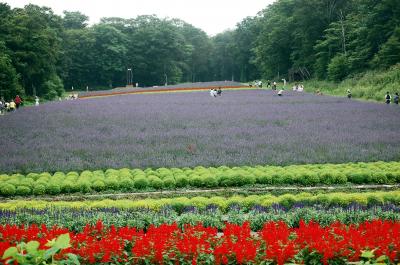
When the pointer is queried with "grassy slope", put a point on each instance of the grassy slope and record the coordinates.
(371, 85)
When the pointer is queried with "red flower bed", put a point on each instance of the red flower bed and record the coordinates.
(198, 244)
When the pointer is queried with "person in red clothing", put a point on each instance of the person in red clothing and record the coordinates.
(18, 101)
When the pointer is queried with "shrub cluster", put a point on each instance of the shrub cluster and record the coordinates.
(199, 177)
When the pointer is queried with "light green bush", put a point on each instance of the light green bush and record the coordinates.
(169, 182)
(7, 189)
(155, 182)
(141, 183)
(126, 184)
(23, 190)
(99, 185)
(69, 186)
(210, 181)
(181, 181)
(39, 189)
(196, 181)
(53, 189)
(111, 182)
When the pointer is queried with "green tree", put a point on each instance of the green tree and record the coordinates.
(75, 20)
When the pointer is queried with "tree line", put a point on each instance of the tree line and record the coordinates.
(42, 53)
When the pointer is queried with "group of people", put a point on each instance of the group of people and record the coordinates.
(297, 87)
(13, 104)
(388, 98)
(71, 97)
(10, 105)
(214, 92)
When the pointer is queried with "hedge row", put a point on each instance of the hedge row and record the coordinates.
(286, 200)
(198, 177)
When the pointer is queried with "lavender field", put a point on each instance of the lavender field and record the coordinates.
(191, 129)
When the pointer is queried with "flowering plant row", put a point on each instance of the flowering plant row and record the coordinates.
(276, 243)
(210, 216)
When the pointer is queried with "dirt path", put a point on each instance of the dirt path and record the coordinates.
(207, 192)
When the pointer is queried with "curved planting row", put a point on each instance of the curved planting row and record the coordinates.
(211, 216)
(198, 177)
(276, 243)
(286, 200)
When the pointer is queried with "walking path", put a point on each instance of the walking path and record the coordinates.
(209, 191)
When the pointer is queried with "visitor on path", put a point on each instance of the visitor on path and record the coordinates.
(318, 92)
(219, 91)
(2, 106)
(280, 92)
(396, 98)
(260, 84)
(12, 106)
(388, 98)
(268, 84)
(18, 101)
(274, 86)
(213, 93)
(348, 93)
(36, 101)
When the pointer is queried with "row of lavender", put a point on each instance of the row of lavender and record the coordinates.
(190, 129)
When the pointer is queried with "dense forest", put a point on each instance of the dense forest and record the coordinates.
(42, 53)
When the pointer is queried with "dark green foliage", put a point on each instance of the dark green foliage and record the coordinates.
(338, 68)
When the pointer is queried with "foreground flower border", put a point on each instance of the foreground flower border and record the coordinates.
(275, 243)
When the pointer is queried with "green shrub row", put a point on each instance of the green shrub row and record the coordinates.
(199, 177)
(286, 200)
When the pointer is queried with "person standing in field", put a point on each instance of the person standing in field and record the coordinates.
(268, 84)
(274, 86)
(18, 101)
(348, 93)
(388, 98)
(2, 106)
(396, 98)
(12, 105)
(36, 101)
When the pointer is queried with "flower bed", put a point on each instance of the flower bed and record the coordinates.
(276, 242)
(211, 216)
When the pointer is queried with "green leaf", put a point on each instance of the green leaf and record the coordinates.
(73, 258)
(367, 254)
(50, 252)
(381, 258)
(32, 247)
(50, 243)
(10, 252)
(62, 241)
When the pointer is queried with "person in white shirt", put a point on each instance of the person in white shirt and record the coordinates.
(284, 82)
(36, 101)
(213, 93)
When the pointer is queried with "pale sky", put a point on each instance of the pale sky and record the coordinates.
(212, 16)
